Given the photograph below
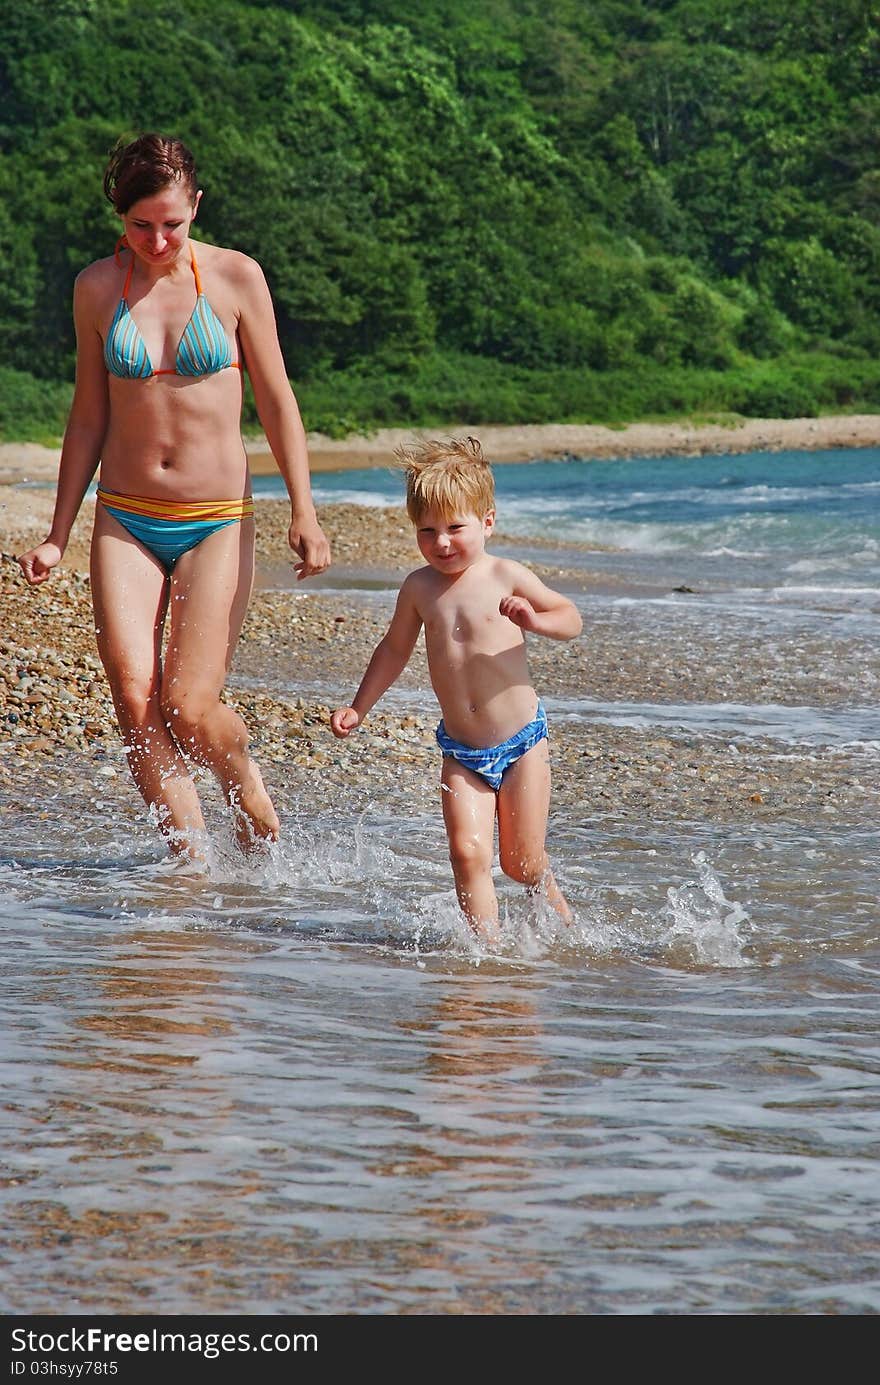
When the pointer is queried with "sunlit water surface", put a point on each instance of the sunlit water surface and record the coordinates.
(299, 1086)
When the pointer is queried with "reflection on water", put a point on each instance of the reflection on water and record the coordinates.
(302, 1088)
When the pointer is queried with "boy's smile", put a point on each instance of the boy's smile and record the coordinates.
(453, 543)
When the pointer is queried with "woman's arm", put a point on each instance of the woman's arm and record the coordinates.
(279, 414)
(83, 436)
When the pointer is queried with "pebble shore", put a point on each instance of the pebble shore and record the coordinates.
(304, 648)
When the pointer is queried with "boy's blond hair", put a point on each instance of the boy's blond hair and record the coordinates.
(450, 477)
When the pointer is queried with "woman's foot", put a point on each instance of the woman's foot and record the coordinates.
(254, 813)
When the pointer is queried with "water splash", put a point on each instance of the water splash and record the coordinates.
(700, 918)
(355, 884)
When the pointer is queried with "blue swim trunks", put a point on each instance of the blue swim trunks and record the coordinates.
(491, 761)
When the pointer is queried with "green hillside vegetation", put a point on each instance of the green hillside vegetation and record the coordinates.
(517, 211)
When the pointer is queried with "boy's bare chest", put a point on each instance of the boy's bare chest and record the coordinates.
(467, 614)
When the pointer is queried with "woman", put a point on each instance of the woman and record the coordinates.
(162, 338)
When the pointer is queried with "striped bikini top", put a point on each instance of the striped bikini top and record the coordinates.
(203, 348)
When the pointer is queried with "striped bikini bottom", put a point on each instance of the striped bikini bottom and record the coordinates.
(491, 762)
(169, 528)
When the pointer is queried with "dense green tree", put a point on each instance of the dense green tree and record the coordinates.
(541, 203)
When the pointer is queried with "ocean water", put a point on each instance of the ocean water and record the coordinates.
(299, 1086)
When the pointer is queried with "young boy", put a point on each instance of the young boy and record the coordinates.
(474, 608)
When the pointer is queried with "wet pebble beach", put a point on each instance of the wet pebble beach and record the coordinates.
(57, 718)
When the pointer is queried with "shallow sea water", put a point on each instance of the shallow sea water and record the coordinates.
(301, 1087)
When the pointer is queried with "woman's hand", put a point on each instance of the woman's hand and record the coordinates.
(39, 562)
(307, 538)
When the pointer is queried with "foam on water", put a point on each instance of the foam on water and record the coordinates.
(361, 884)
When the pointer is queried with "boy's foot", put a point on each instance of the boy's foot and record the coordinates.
(554, 897)
(486, 931)
(563, 910)
(489, 937)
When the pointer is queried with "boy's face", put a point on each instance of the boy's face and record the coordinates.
(452, 543)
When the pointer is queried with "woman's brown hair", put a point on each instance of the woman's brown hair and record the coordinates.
(146, 166)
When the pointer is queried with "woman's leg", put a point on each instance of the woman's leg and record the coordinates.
(209, 595)
(129, 595)
(469, 818)
(523, 808)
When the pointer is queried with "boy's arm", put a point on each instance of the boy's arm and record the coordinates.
(390, 658)
(537, 608)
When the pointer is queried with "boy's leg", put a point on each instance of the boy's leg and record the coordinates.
(210, 590)
(469, 818)
(128, 597)
(523, 808)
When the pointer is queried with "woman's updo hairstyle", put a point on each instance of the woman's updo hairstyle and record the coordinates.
(146, 166)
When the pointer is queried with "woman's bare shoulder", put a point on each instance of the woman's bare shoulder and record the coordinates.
(98, 280)
(99, 271)
(232, 264)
